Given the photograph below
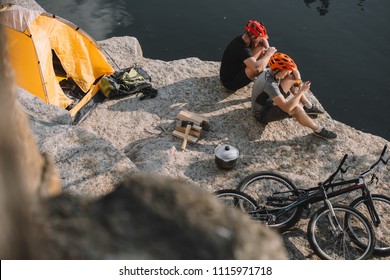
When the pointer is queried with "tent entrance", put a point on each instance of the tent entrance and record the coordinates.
(58, 68)
(68, 85)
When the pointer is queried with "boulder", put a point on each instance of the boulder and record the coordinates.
(154, 217)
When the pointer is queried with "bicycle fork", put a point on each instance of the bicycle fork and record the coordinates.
(333, 221)
(368, 202)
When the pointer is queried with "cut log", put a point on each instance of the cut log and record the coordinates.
(192, 132)
(194, 126)
(180, 135)
(192, 117)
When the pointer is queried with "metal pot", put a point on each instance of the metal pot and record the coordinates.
(226, 156)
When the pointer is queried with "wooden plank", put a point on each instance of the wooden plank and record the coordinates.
(193, 117)
(193, 132)
(180, 135)
(194, 126)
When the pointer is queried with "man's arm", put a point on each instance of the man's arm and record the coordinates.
(258, 66)
(289, 106)
(260, 49)
(297, 76)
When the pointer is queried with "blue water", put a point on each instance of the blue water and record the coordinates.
(341, 46)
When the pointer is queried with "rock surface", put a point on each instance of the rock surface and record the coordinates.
(128, 136)
(149, 217)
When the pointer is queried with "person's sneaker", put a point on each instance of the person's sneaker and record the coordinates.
(326, 134)
(313, 110)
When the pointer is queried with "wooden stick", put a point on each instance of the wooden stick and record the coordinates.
(180, 135)
(183, 146)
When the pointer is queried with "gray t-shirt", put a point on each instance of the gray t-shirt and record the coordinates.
(265, 88)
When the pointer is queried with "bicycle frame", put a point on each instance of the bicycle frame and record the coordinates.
(358, 184)
(321, 193)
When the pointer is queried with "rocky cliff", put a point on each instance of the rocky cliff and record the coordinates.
(129, 136)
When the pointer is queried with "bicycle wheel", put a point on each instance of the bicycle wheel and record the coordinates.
(237, 199)
(382, 207)
(331, 242)
(263, 185)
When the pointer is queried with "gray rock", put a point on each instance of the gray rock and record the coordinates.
(116, 139)
(88, 165)
(131, 52)
(38, 110)
(152, 217)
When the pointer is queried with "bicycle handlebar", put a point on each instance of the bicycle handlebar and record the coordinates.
(339, 168)
(384, 151)
(342, 162)
(331, 177)
(380, 160)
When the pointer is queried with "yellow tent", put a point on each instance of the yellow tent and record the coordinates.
(33, 38)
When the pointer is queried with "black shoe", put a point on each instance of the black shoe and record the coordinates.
(326, 134)
(313, 110)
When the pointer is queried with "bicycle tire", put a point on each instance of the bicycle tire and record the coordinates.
(382, 207)
(262, 185)
(329, 245)
(236, 199)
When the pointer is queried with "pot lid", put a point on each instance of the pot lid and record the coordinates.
(226, 152)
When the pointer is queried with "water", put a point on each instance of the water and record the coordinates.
(341, 46)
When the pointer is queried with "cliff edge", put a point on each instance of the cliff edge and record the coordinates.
(130, 136)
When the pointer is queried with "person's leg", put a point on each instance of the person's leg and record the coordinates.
(239, 81)
(250, 73)
(286, 85)
(303, 119)
(259, 52)
(273, 113)
(309, 107)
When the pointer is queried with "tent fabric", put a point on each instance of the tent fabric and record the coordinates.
(33, 36)
(17, 18)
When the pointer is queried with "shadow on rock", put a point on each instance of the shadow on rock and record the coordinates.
(290, 241)
(201, 95)
(150, 217)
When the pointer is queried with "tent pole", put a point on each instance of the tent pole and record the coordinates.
(39, 67)
(117, 67)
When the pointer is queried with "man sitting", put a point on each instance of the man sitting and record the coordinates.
(245, 57)
(270, 92)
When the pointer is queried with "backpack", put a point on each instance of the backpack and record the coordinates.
(128, 81)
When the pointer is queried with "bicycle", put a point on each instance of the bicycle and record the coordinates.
(282, 210)
(375, 206)
(347, 231)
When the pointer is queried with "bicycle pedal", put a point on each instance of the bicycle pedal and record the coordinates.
(306, 213)
(307, 210)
